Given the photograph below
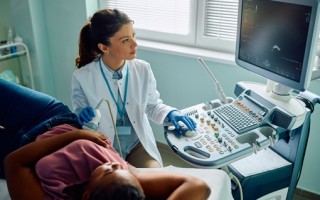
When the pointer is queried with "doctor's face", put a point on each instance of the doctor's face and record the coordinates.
(123, 45)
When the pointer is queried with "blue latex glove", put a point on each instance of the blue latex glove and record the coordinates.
(176, 116)
(86, 115)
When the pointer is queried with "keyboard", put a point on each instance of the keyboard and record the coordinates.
(238, 119)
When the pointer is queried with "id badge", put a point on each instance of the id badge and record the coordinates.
(124, 130)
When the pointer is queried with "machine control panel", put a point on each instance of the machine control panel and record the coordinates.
(224, 134)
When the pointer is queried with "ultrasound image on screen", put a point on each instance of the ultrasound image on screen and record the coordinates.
(274, 35)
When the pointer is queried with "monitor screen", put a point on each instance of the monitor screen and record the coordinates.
(275, 38)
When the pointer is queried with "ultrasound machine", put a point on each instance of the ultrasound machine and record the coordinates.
(277, 40)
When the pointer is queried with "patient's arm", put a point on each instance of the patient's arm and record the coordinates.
(172, 186)
(19, 165)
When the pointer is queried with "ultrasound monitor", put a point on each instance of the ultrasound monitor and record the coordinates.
(276, 39)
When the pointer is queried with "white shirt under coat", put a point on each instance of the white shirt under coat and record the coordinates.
(143, 99)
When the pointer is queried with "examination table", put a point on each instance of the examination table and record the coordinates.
(218, 181)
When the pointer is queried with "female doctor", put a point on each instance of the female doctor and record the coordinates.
(108, 69)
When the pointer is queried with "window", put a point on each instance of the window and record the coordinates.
(209, 24)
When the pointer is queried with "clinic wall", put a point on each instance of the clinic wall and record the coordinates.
(28, 22)
(5, 20)
(50, 29)
(5, 24)
(183, 82)
(64, 20)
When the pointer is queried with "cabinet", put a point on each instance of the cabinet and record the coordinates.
(20, 50)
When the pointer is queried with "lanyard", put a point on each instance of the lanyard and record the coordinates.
(120, 111)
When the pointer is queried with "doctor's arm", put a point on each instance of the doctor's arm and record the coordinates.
(80, 104)
(172, 186)
(158, 111)
(78, 97)
(19, 165)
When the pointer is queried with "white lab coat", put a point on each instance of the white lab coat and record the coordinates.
(143, 99)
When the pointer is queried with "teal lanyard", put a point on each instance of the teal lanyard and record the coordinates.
(120, 111)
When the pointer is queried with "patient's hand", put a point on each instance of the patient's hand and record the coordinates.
(95, 137)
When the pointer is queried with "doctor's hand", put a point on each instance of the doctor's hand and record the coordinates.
(176, 116)
(86, 115)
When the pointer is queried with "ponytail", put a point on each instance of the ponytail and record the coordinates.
(88, 47)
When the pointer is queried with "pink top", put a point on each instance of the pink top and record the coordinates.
(72, 164)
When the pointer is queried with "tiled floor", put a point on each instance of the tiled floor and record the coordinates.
(169, 158)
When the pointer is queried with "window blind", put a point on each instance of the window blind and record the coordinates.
(221, 19)
(168, 16)
(210, 24)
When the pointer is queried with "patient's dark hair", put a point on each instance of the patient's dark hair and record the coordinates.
(103, 25)
(116, 192)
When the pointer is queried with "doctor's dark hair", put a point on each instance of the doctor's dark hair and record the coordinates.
(103, 25)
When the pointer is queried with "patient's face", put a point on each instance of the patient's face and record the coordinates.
(104, 171)
(112, 174)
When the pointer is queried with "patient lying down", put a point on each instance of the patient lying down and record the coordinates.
(70, 163)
